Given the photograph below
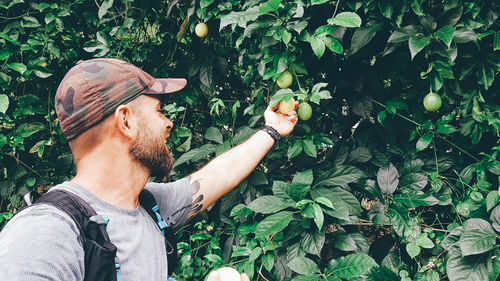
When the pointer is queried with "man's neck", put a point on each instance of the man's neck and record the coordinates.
(116, 179)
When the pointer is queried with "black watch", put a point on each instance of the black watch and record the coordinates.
(272, 132)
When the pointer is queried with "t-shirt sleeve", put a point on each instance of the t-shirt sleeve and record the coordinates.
(40, 244)
(174, 200)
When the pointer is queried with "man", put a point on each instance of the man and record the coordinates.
(110, 112)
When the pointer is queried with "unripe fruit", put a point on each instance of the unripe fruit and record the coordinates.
(432, 102)
(284, 80)
(304, 111)
(225, 274)
(201, 30)
(287, 106)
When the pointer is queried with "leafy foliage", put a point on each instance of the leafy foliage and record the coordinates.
(372, 187)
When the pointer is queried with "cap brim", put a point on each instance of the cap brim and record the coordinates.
(166, 86)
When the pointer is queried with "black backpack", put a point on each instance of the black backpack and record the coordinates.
(101, 263)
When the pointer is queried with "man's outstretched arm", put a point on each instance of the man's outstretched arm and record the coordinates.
(227, 170)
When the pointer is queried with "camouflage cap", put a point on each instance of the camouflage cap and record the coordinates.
(93, 89)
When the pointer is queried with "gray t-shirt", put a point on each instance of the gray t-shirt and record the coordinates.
(43, 243)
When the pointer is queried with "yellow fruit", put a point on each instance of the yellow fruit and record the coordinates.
(43, 64)
(287, 106)
(201, 30)
(224, 274)
(284, 80)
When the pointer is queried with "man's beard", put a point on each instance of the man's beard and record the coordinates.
(152, 153)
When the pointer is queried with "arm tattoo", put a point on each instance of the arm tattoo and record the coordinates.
(196, 205)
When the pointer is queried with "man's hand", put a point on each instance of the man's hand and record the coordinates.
(283, 123)
(227, 274)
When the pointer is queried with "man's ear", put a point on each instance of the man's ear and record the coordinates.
(124, 120)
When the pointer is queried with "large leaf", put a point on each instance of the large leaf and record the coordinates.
(424, 141)
(196, 154)
(214, 134)
(413, 200)
(415, 181)
(347, 19)
(269, 6)
(4, 103)
(268, 204)
(461, 268)
(273, 223)
(303, 265)
(336, 194)
(445, 33)
(478, 237)
(485, 75)
(353, 266)
(17, 66)
(417, 44)
(340, 176)
(495, 218)
(363, 36)
(239, 18)
(388, 179)
(312, 242)
(400, 219)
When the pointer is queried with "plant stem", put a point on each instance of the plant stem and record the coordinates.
(24, 164)
(435, 156)
(459, 148)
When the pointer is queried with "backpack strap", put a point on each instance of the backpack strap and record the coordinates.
(148, 202)
(100, 254)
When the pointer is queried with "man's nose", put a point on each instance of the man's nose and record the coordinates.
(170, 124)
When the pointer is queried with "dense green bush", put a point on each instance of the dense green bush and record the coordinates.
(372, 187)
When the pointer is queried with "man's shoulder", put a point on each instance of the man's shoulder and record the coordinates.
(40, 218)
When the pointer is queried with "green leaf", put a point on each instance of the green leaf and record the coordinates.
(445, 33)
(388, 179)
(496, 43)
(318, 46)
(4, 103)
(213, 134)
(273, 224)
(239, 18)
(478, 237)
(353, 266)
(303, 265)
(340, 176)
(418, 43)
(400, 218)
(412, 249)
(205, 3)
(461, 268)
(312, 242)
(269, 6)
(495, 218)
(268, 260)
(196, 154)
(334, 45)
(413, 200)
(347, 19)
(269, 204)
(363, 36)
(381, 116)
(485, 75)
(318, 216)
(295, 149)
(336, 194)
(8, 38)
(103, 9)
(17, 66)
(4, 54)
(414, 181)
(424, 141)
(424, 242)
(309, 148)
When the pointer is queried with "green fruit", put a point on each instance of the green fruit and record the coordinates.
(201, 30)
(304, 111)
(287, 106)
(285, 80)
(432, 102)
